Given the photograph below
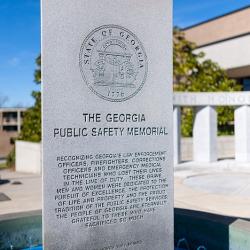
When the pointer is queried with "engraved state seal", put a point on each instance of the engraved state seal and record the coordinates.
(113, 63)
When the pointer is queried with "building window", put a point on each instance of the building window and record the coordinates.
(10, 128)
(246, 84)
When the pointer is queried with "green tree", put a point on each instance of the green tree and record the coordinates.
(194, 73)
(31, 128)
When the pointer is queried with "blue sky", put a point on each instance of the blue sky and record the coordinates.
(189, 12)
(19, 46)
(20, 39)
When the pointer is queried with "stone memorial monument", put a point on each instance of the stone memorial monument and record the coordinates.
(107, 124)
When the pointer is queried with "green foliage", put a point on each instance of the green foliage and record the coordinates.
(193, 73)
(37, 74)
(187, 116)
(10, 161)
(31, 128)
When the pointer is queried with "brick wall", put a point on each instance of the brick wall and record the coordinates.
(5, 146)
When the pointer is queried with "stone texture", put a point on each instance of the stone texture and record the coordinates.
(242, 134)
(198, 99)
(71, 29)
(177, 135)
(205, 134)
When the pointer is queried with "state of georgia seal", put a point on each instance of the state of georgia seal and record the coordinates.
(113, 63)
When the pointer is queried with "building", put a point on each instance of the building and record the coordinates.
(10, 126)
(226, 40)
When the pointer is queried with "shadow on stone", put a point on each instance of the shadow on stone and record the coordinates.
(4, 197)
(3, 181)
(16, 183)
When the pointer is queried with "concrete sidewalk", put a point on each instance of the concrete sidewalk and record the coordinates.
(24, 197)
(219, 190)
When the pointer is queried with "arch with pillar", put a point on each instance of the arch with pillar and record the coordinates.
(205, 124)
